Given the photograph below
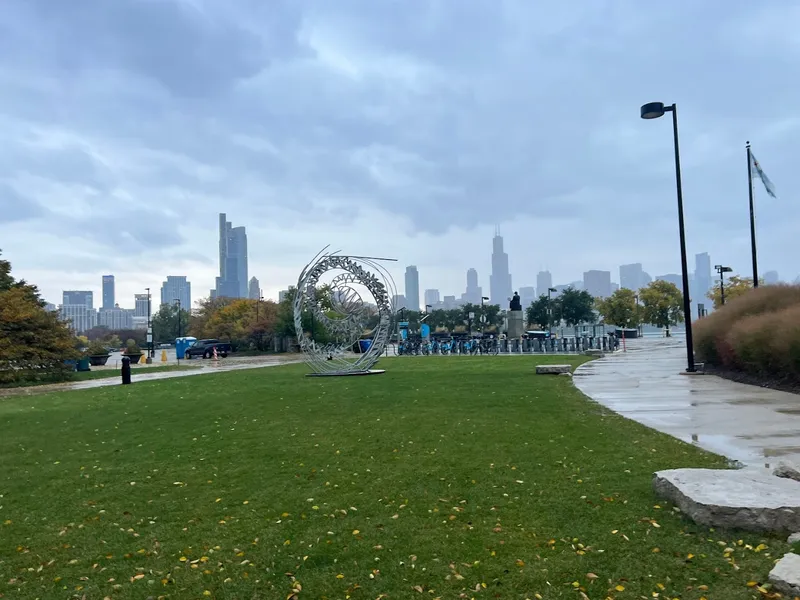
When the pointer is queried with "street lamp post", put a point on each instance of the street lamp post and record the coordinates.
(150, 350)
(178, 302)
(483, 313)
(550, 311)
(258, 302)
(722, 270)
(654, 110)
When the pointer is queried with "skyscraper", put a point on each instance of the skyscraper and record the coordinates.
(544, 281)
(232, 280)
(412, 288)
(108, 291)
(702, 273)
(78, 309)
(527, 295)
(254, 291)
(500, 279)
(432, 297)
(631, 276)
(82, 297)
(597, 283)
(140, 305)
(473, 292)
(177, 288)
(673, 278)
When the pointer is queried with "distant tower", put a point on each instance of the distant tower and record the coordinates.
(474, 291)
(232, 280)
(544, 281)
(412, 288)
(108, 291)
(500, 279)
(254, 292)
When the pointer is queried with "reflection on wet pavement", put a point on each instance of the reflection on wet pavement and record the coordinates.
(746, 423)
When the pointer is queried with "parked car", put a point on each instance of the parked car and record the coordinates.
(205, 348)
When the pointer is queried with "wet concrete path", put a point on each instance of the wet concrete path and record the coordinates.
(195, 367)
(756, 426)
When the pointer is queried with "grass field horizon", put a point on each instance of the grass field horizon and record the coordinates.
(442, 478)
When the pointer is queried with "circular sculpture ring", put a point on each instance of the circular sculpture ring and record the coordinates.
(345, 318)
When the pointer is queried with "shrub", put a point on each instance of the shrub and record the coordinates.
(96, 348)
(132, 347)
(757, 333)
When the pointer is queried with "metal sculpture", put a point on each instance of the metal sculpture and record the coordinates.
(345, 320)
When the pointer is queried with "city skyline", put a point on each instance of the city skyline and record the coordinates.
(344, 124)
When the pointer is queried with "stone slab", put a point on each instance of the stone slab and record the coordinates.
(785, 575)
(552, 369)
(787, 470)
(594, 352)
(733, 499)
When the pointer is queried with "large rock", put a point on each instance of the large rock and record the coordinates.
(552, 369)
(787, 471)
(794, 538)
(740, 499)
(785, 575)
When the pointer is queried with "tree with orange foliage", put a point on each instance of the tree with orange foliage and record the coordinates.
(34, 342)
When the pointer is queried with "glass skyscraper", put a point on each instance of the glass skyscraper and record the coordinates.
(232, 281)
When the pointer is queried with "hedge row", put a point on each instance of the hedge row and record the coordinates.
(757, 333)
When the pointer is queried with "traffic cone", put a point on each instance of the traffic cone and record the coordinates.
(215, 355)
(163, 356)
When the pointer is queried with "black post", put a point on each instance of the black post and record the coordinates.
(752, 217)
(126, 370)
(150, 350)
(721, 288)
(549, 314)
(178, 300)
(687, 301)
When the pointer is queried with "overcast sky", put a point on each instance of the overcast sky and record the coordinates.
(401, 128)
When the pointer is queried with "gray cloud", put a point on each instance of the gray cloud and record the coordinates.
(455, 114)
(15, 207)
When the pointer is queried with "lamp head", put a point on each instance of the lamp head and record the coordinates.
(653, 110)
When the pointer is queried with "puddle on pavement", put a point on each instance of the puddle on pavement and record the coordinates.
(751, 401)
(784, 451)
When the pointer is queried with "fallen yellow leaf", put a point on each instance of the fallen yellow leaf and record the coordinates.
(620, 588)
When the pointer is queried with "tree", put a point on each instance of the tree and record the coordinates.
(662, 304)
(538, 313)
(575, 307)
(284, 325)
(168, 321)
(34, 342)
(620, 309)
(735, 286)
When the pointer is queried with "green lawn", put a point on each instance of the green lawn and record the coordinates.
(103, 374)
(446, 477)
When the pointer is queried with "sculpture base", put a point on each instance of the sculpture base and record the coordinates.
(347, 373)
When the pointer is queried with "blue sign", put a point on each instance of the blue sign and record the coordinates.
(425, 330)
(403, 324)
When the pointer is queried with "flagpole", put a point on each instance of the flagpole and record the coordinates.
(752, 215)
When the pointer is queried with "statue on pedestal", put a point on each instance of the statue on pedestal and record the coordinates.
(516, 303)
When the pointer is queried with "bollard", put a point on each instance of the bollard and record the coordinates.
(126, 370)
(163, 356)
